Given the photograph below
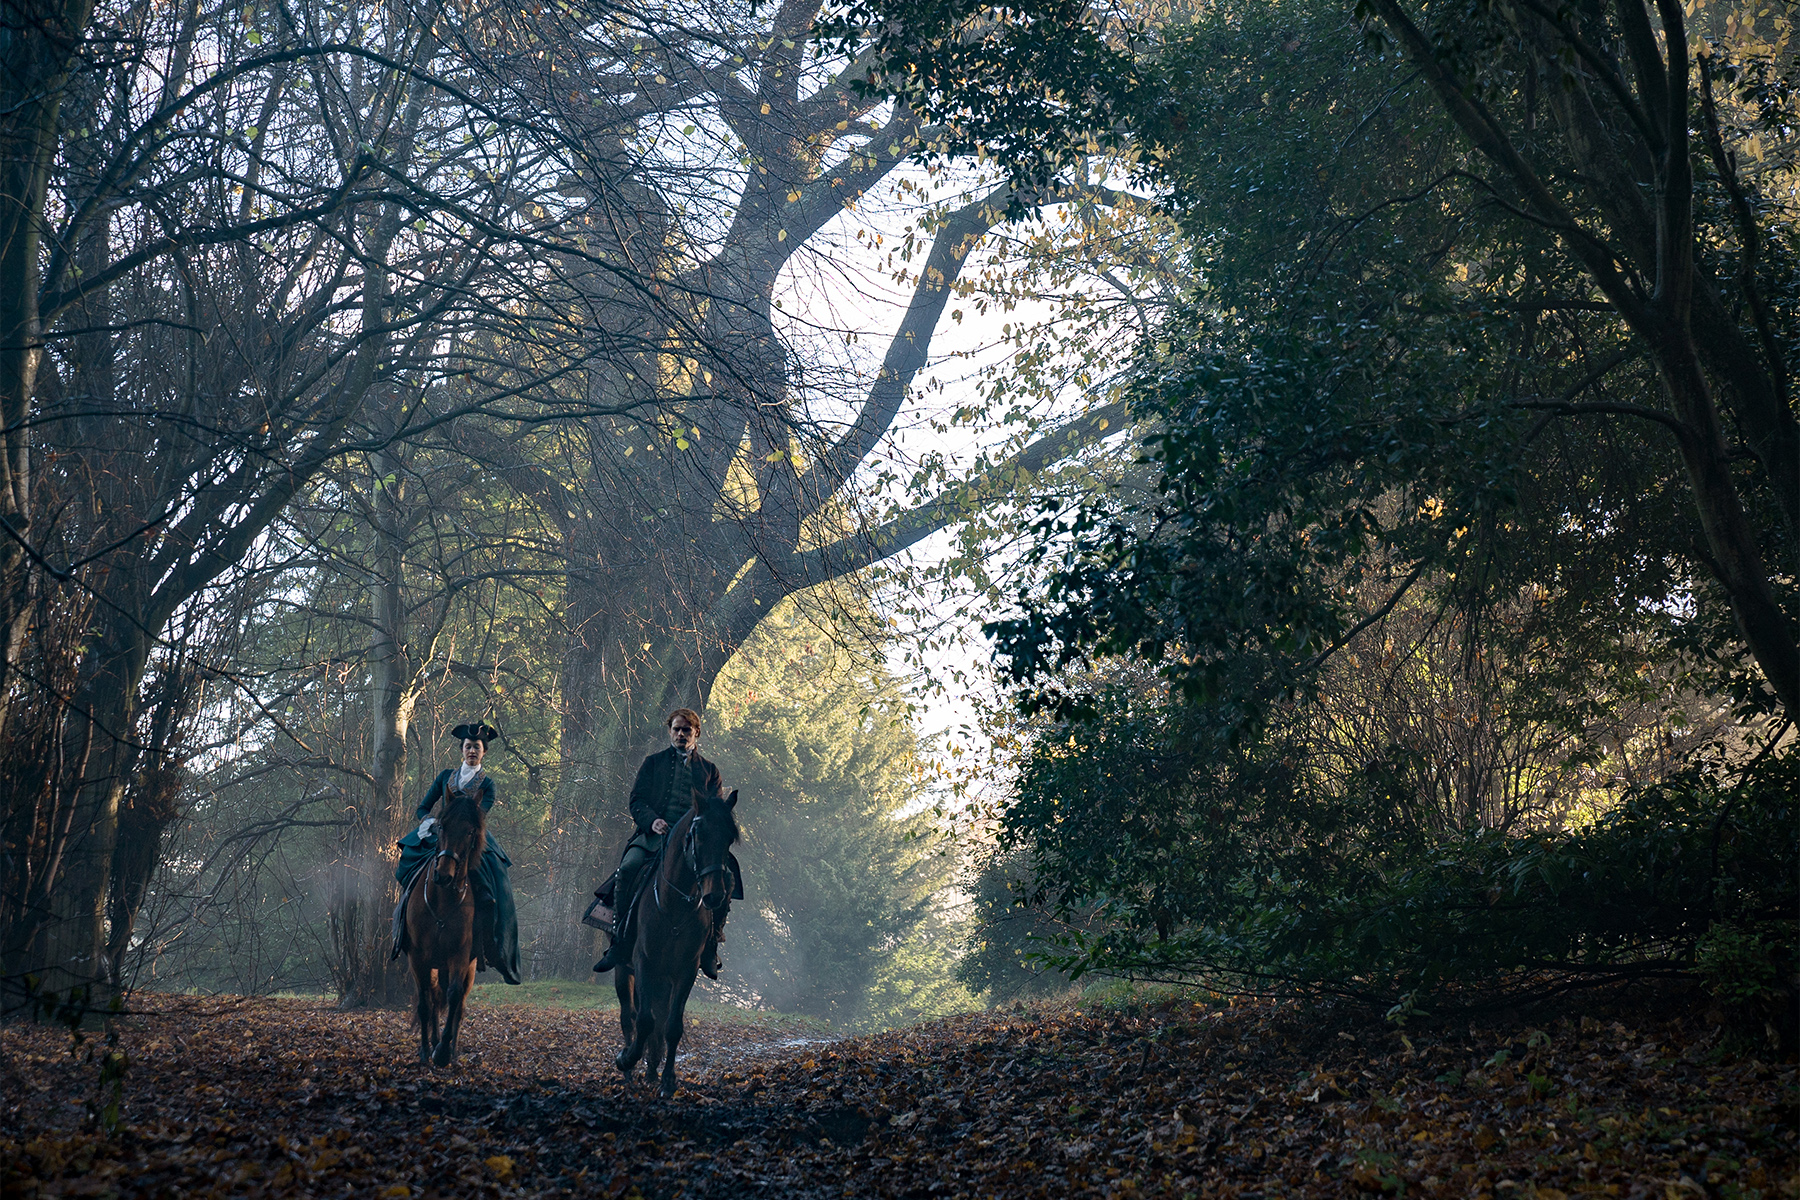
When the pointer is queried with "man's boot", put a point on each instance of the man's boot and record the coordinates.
(614, 956)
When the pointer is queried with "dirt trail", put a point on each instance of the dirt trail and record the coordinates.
(289, 1099)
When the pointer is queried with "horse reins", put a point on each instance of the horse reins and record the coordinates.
(430, 875)
(689, 856)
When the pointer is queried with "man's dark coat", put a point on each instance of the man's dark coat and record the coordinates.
(665, 788)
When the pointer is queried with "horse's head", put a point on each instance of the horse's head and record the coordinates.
(712, 829)
(462, 835)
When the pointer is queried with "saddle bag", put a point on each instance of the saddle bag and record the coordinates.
(598, 915)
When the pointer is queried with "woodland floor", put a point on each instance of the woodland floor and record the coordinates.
(290, 1098)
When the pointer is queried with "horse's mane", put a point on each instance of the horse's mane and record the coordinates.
(715, 807)
(463, 810)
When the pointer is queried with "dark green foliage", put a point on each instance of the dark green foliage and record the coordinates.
(1236, 862)
(1400, 420)
(1008, 933)
(1354, 406)
(963, 63)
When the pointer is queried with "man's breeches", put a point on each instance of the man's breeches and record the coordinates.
(630, 871)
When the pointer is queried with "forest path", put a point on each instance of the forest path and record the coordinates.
(291, 1098)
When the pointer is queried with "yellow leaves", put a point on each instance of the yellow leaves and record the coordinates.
(502, 1166)
(398, 1191)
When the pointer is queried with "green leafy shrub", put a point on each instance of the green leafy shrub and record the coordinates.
(1199, 858)
(1741, 964)
(1753, 970)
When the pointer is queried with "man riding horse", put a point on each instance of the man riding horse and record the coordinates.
(661, 796)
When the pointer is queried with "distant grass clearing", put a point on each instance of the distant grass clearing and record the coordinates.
(571, 994)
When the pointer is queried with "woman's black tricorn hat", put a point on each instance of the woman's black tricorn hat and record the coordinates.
(479, 730)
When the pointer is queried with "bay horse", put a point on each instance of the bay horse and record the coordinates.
(676, 908)
(440, 928)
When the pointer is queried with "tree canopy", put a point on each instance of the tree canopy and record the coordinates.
(411, 320)
(1460, 561)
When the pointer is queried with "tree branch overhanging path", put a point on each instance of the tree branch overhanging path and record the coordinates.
(1595, 138)
(299, 262)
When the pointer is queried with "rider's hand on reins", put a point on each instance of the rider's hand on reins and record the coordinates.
(426, 826)
(659, 826)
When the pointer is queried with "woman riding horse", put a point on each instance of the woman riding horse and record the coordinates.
(496, 917)
(440, 927)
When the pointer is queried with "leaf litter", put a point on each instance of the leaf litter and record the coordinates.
(285, 1098)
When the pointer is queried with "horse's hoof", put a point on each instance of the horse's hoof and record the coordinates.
(666, 1091)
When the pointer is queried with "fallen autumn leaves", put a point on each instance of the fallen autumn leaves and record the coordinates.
(288, 1098)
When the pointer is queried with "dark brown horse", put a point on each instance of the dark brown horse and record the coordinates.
(440, 928)
(675, 915)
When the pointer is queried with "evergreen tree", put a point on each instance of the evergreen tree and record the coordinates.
(845, 871)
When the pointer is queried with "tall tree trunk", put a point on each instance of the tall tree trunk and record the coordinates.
(584, 836)
(622, 674)
(99, 732)
(148, 806)
(38, 39)
(364, 892)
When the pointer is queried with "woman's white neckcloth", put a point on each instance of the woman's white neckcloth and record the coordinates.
(465, 774)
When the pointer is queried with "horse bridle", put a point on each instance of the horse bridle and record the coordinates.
(461, 889)
(690, 854)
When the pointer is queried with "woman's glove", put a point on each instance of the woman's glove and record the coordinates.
(427, 828)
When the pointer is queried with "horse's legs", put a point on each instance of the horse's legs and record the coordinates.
(625, 989)
(461, 977)
(645, 1035)
(653, 1018)
(632, 1019)
(672, 1030)
(643, 1030)
(424, 1010)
